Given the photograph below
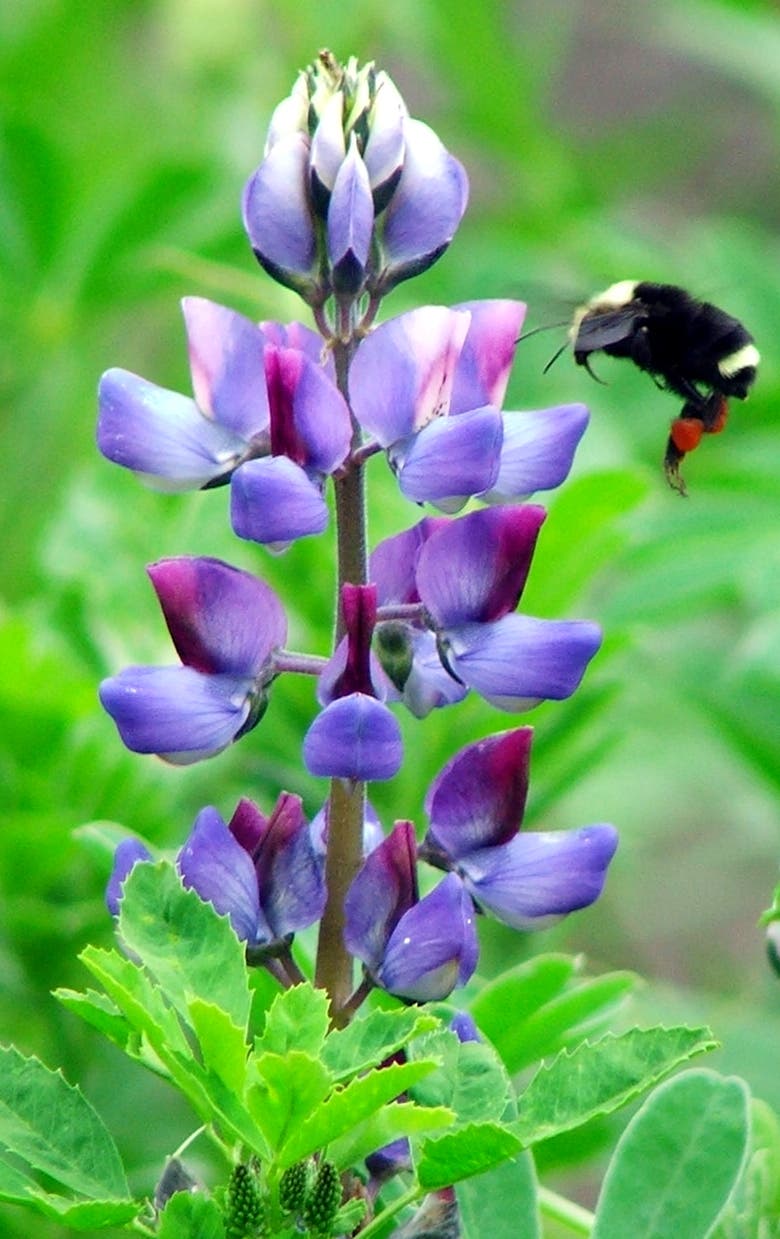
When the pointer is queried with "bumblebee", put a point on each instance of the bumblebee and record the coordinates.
(688, 347)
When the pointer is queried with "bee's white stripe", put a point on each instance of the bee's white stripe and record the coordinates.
(747, 356)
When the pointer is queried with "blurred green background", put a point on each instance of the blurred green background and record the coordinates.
(603, 141)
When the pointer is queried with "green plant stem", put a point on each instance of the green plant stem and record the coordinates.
(380, 1221)
(579, 1221)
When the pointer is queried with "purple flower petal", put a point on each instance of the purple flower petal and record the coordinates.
(310, 420)
(295, 335)
(373, 835)
(248, 824)
(452, 458)
(488, 353)
(383, 890)
(161, 435)
(393, 562)
(428, 685)
(474, 569)
(275, 501)
(176, 712)
(433, 947)
(537, 451)
(539, 877)
(290, 874)
(478, 799)
(402, 374)
(350, 223)
(426, 208)
(384, 152)
(126, 855)
(212, 863)
(355, 737)
(464, 1027)
(221, 619)
(277, 213)
(226, 360)
(327, 151)
(518, 661)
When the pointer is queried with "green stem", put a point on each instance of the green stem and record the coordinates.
(580, 1221)
(380, 1221)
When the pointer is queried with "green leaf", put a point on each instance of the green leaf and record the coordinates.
(349, 1106)
(753, 1209)
(519, 992)
(297, 1020)
(101, 1013)
(141, 1003)
(190, 1215)
(52, 1126)
(370, 1039)
(287, 1090)
(190, 950)
(459, 1154)
(222, 1043)
(397, 1119)
(471, 1079)
(501, 1202)
(677, 1161)
(596, 1078)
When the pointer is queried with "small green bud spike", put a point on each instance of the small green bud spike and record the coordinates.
(323, 1200)
(244, 1206)
(292, 1187)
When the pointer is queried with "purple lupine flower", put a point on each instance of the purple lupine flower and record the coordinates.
(429, 386)
(262, 871)
(417, 949)
(373, 834)
(468, 575)
(226, 626)
(280, 497)
(342, 149)
(355, 736)
(127, 854)
(526, 879)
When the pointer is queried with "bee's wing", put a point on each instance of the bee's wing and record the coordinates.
(599, 330)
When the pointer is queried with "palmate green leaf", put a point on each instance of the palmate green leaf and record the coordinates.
(372, 1038)
(471, 1079)
(350, 1106)
(392, 1122)
(297, 1020)
(753, 1209)
(598, 1077)
(190, 950)
(533, 1011)
(129, 987)
(471, 1150)
(101, 1013)
(18, 1188)
(222, 1043)
(287, 1089)
(677, 1161)
(190, 1215)
(53, 1128)
(501, 1203)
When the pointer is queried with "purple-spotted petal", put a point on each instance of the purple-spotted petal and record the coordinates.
(275, 501)
(537, 451)
(176, 712)
(212, 863)
(452, 458)
(478, 799)
(433, 947)
(427, 205)
(127, 854)
(383, 890)
(355, 737)
(518, 661)
(474, 569)
(350, 223)
(402, 374)
(222, 620)
(538, 877)
(226, 361)
(277, 213)
(488, 353)
(161, 435)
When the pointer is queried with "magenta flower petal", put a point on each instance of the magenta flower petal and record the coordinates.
(277, 213)
(162, 436)
(383, 890)
(452, 458)
(295, 335)
(310, 420)
(537, 878)
(518, 661)
(126, 855)
(226, 360)
(274, 501)
(488, 353)
(475, 569)
(426, 208)
(212, 863)
(355, 737)
(537, 451)
(221, 619)
(176, 712)
(350, 223)
(402, 374)
(433, 947)
(478, 799)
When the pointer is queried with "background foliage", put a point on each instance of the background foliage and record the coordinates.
(603, 141)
